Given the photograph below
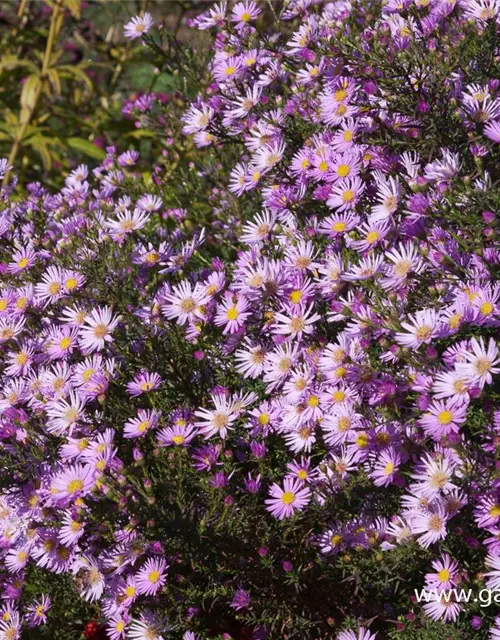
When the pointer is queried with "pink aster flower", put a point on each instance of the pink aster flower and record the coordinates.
(445, 575)
(388, 196)
(116, 626)
(365, 269)
(492, 131)
(453, 385)
(36, 611)
(143, 382)
(185, 302)
(444, 608)
(96, 331)
(178, 435)
(22, 259)
(92, 581)
(151, 576)
(218, 420)
(345, 194)
(420, 329)
(64, 414)
(250, 360)
(138, 26)
(16, 559)
(362, 634)
(482, 362)
(296, 322)
(10, 626)
(51, 287)
(443, 418)
(72, 528)
(386, 467)
(284, 502)
(431, 525)
(434, 477)
(74, 482)
(127, 222)
(149, 626)
(10, 328)
(146, 420)
(245, 12)
(232, 312)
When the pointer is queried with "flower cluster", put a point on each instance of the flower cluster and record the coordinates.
(329, 355)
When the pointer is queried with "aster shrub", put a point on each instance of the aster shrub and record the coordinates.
(253, 392)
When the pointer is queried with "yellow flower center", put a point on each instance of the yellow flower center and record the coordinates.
(372, 237)
(54, 288)
(220, 420)
(482, 365)
(438, 480)
(100, 330)
(313, 401)
(188, 305)
(435, 523)
(143, 426)
(22, 358)
(443, 575)
(445, 417)
(154, 576)
(71, 283)
(344, 424)
(402, 267)
(232, 313)
(362, 440)
(424, 332)
(74, 486)
(288, 497)
(297, 324)
(343, 170)
(486, 308)
(65, 343)
(296, 296)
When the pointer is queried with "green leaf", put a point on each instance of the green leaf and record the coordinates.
(86, 147)
(140, 133)
(9, 62)
(29, 96)
(67, 70)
